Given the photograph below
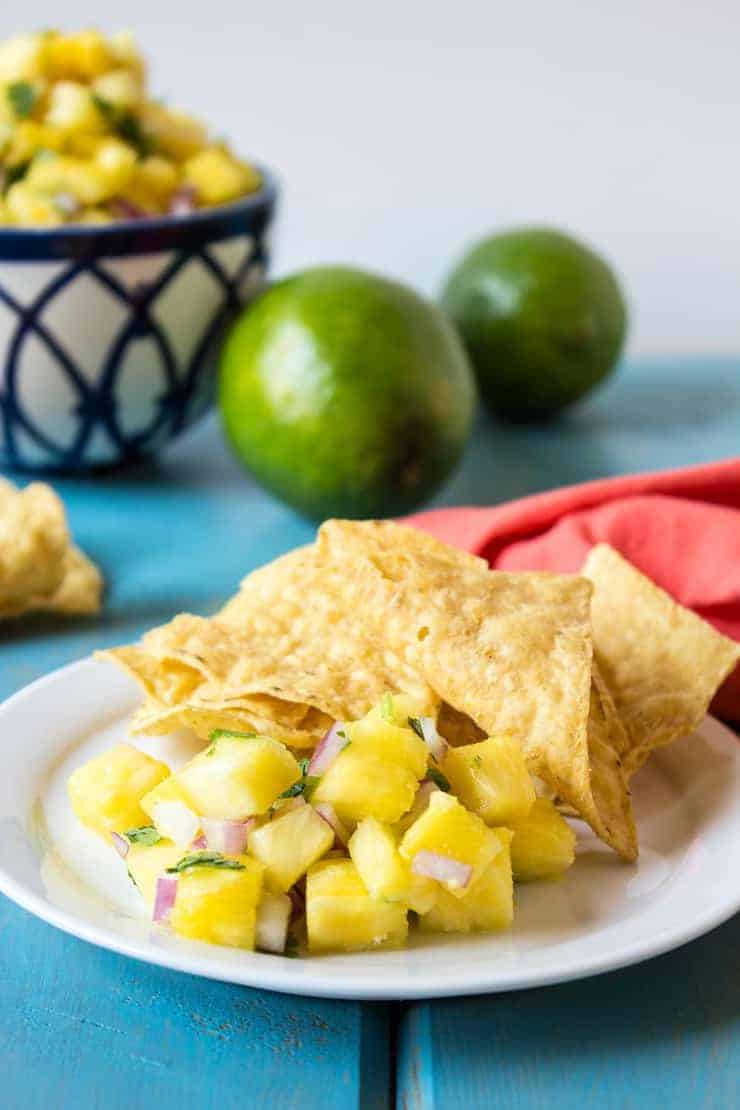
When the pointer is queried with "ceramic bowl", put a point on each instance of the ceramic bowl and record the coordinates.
(109, 333)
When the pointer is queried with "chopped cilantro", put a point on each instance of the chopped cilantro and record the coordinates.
(205, 859)
(228, 734)
(438, 779)
(125, 123)
(145, 834)
(10, 174)
(386, 707)
(21, 97)
(415, 724)
(306, 783)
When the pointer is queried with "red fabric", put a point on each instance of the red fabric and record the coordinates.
(680, 527)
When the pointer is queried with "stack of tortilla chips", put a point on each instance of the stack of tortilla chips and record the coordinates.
(40, 568)
(589, 673)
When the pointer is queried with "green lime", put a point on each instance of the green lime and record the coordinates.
(346, 394)
(542, 316)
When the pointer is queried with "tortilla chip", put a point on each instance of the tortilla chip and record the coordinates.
(512, 652)
(33, 541)
(155, 719)
(662, 663)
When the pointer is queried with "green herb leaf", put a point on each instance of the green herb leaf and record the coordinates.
(231, 734)
(205, 859)
(415, 724)
(438, 779)
(21, 97)
(306, 783)
(126, 125)
(10, 174)
(145, 834)
(386, 707)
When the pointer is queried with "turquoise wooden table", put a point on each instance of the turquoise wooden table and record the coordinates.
(81, 1028)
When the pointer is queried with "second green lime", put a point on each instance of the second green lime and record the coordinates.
(542, 316)
(346, 394)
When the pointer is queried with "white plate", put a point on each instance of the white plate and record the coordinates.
(603, 915)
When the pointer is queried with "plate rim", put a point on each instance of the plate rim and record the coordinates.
(276, 977)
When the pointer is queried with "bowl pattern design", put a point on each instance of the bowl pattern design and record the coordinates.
(106, 354)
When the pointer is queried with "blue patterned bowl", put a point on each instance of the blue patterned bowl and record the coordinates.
(109, 333)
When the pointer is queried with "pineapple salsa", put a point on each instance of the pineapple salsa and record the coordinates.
(81, 141)
(385, 826)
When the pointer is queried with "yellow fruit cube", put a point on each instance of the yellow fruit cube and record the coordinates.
(152, 183)
(72, 107)
(491, 779)
(106, 792)
(218, 904)
(146, 862)
(26, 206)
(28, 138)
(121, 87)
(487, 904)
(359, 784)
(238, 776)
(82, 56)
(22, 58)
(175, 134)
(342, 916)
(218, 177)
(375, 854)
(544, 843)
(447, 829)
(60, 174)
(391, 743)
(289, 844)
(168, 790)
(116, 161)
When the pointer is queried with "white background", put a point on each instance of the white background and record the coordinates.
(404, 130)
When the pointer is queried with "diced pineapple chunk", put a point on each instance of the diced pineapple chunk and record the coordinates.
(544, 843)
(169, 790)
(342, 916)
(28, 138)
(146, 862)
(121, 87)
(22, 58)
(375, 854)
(448, 829)
(218, 177)
(391, 743)
(491, 779)
(116, 161)
(106, 793)
(152, 183)
(72, 107)
(174, 133)
(26, 206)
(238, 777)
(487, 904)
(386, 874)
(289, 844)
(359, 784)
(61, 174)
(217, 904)
(82, 56)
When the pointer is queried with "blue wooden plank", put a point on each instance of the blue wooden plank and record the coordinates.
(663, 1033)
(81, 1027)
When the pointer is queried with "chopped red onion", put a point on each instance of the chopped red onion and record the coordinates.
(437, 744)
(444, 869)
(329, 814)
(176, 821)
(66, 204)
(273, 917)
(164, 898)
(229, 837)
(419, 804)
(122, 209)
(183, 201)
(297, 902)
(199, 843)
(328, 749)
(120, 843)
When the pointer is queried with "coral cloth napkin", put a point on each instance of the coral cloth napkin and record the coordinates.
(680, 527)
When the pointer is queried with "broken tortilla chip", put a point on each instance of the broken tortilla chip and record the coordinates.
(662, 663)
(512, 652)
